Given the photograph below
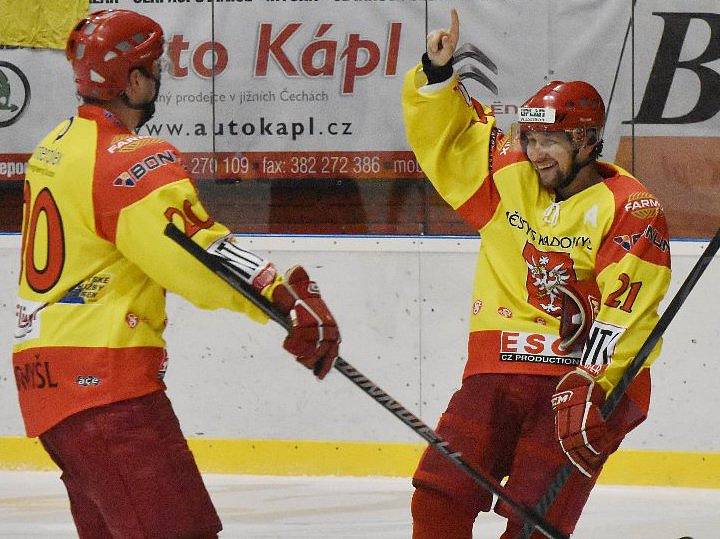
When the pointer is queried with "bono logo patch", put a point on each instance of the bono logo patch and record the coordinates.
(135, 173)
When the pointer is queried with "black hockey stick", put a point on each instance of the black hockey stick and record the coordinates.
(633, 369)
(231, 277)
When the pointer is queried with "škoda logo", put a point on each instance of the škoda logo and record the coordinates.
(14, 93)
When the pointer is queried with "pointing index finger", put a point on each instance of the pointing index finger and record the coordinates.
(454, 25)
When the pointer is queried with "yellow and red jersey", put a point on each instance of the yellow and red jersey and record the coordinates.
(614, 232)
(95, 267)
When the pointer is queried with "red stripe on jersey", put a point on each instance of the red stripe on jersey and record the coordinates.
(484, 358)
(480, 207)
(55, 382)
(506, 152)
(128, 167)
(639, 226)
(484, 349)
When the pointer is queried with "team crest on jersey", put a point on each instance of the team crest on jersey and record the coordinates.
(547, 271)
(642, 205)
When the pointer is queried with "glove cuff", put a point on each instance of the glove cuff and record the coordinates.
(436, 74)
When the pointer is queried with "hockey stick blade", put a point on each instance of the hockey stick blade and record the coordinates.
(226, 273)
(634, 367)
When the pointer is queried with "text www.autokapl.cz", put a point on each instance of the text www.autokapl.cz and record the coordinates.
(263, 126)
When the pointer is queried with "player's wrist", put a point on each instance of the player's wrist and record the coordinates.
(436, 74)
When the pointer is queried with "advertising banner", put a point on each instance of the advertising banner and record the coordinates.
(310, 89)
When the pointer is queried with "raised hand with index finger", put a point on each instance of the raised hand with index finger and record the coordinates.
(441, 43)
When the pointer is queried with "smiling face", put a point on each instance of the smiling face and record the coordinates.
(552, 154)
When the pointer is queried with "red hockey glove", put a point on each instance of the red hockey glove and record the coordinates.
(580, 303)
(314, 338)
(579, 425)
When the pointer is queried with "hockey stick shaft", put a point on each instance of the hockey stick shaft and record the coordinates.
(635, 365)
(656, 334)
(216, 265)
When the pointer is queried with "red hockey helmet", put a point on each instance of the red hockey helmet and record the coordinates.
(563, 106)
(107, 45)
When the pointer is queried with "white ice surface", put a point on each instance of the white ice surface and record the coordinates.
(34, 504)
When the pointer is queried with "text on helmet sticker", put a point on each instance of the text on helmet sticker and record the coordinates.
(541, 115)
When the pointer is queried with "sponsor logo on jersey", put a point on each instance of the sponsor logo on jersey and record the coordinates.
(47, 155)
(88, 380)
(547, 271)
(34, 375)
(535, 348)
(135, 173)
(74, 295)
(124, 143)
(132, 320)
(657, 239)
(28, 321)
(88, 291)
(642, 205)
(14, 93)
(516, 220)
(627, 241)
(600, 345)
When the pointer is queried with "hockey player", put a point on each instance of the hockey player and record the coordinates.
(574, 260)
(89, 354)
